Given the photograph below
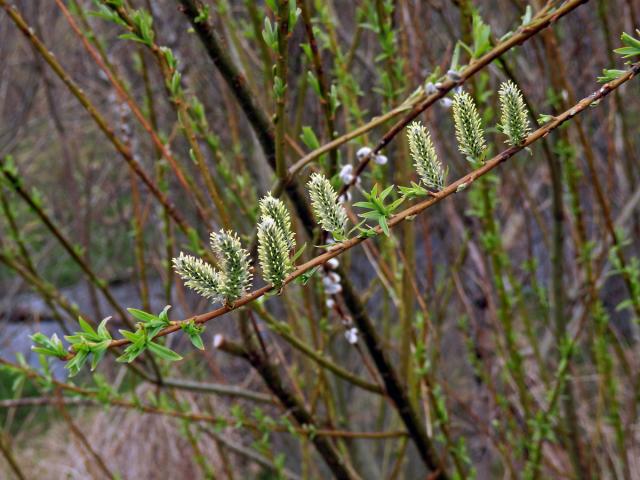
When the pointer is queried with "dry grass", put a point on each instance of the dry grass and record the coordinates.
(133, 445)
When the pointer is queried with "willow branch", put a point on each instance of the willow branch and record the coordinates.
(543, 20)
(409, 213)
(90, 396)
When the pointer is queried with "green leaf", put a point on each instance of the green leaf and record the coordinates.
(51, 347)
(169, 57)
(455, 57)
(383, 224)
(45, 351)
(414, 190)
(385, 193)
(74, 340)
(196, 340)
(628, 303)
(306, 48)
(163, 352)
(132, 36)
(544, 118)
(270, 34)
(395, 204)
(75, 364)
(364, 205)
(174, 83)
(86, 327)
(627, 52)
(371, 215)
(102, 328)
(481, 35)
(294, 13)
(131, 352)
(334, 101)
(106, 13)
(377, 208)
(306, 276)
(630, 41)
(164, 315)
(153, 328)
(98, 352)
(141, 315)
(610, 75)
(467, 48)
(315, 83)
(132, 336)
(309, 138)
(298, 253)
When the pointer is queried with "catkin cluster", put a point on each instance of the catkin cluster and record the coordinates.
(276, 239)
(227, 284)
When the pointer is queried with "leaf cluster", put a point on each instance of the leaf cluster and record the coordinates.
(378, 210)
(141, 339)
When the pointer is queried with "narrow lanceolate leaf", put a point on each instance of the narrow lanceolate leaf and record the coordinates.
(142, 315)
(199, 276)
(276, 209)
(469, 131)
(609, 75)
(424, 156)
(102, 328)
(98, 353)
(273, 253)
(513, 114)
(77, 362)
(235, 277)
(631, 48)
(163, 352)
(196, 340)
(324, 201)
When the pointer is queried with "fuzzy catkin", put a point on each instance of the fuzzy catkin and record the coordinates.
(235, 277)
(324, 201)
(469, 131)
(276, 209)
(514, 122)
(273, 253)
(424, 156)
(199, 276)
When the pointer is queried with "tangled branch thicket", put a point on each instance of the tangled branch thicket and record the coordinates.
(410, 250)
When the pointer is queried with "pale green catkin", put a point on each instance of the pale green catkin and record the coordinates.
(469, 131)
(424, 156)
(199, 276)
(234, 261)
(514, 122)
(276, 209)
(273, 253)
(324, 201)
